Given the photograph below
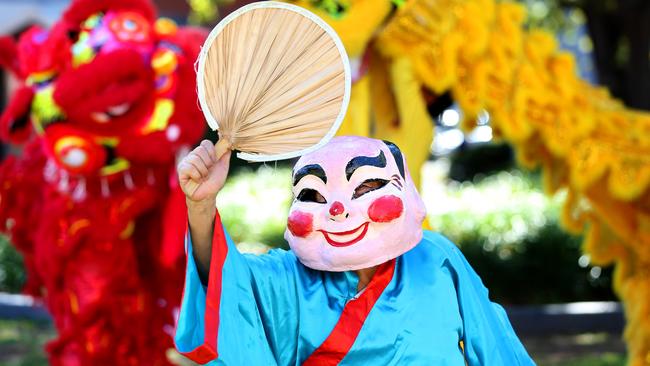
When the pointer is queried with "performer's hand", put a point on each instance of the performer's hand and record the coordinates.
(202, 167)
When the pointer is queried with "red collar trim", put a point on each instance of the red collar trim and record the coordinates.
(345, 332)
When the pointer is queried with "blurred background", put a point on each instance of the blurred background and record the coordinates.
(561, 303)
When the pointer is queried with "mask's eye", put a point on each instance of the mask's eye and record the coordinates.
(369, 185)
(311, 195)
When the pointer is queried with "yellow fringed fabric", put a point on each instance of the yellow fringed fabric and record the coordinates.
(585, 141)
(355, 23)
(386, 101)
(412, 130)
(357, 118)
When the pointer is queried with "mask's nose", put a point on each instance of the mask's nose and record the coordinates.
(337, 211)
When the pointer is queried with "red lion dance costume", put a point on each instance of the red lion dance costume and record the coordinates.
(108, 100)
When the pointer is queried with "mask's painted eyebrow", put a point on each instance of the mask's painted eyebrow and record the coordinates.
(379, 161)
(397, 154)
(311, 169)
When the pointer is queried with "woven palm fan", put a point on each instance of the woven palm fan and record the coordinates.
(274, 79)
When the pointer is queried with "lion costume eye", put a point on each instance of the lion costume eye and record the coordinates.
(310, 195)
(369, 185)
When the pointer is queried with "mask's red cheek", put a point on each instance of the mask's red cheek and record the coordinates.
(300, 223)
(385, 209)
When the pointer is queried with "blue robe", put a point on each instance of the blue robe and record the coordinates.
(272, 310)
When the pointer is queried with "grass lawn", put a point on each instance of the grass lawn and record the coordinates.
(589, 349)
(607, 359)
(22, 341)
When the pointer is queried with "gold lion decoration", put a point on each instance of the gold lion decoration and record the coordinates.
(585, 141)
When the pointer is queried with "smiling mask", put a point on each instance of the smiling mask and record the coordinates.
(355, 205)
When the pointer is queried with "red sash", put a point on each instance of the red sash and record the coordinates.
(208, 350)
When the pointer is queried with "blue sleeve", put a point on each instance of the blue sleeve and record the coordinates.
(246, 315)
(488, 336)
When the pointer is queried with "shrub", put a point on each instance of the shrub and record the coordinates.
(254, 206)
(12, 273)
(510, 233)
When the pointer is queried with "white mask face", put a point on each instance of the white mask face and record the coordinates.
(356, 206)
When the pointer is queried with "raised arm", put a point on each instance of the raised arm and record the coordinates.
(202, 167)
(232, 303)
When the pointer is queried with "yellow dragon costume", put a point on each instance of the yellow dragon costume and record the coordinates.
(586, 141)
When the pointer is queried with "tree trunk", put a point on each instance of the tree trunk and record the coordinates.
(620, 31)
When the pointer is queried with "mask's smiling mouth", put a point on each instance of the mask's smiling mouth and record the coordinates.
(345, 238)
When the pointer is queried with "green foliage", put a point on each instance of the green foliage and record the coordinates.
(509, 232)
(607, 359)
(202, 11)
(482, 159)
(12, 272)
(554, 15)
(22, 342)
(502, 209)
(205, 12)
(254, 205)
